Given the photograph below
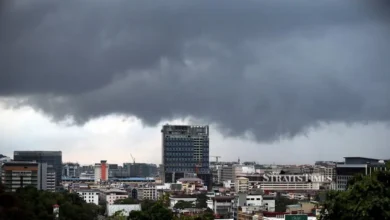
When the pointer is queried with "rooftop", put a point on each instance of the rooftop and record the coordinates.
(190, 179)
(363, 158)
(20, 163)
(43, 153)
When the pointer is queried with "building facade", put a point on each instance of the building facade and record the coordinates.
(71, 170)
(241, 184)
(53, 158)
(46, 177)
(185, 149)
(146, 193)
(19, 174)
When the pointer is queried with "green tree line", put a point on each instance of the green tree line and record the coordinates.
(32, 204)
(367, 198)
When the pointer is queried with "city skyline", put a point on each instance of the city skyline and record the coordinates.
(278, 82)
(132, 138)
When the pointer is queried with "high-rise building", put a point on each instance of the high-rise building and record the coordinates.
(185, 149)
(53, 158)
(17, 174)
(101, 171)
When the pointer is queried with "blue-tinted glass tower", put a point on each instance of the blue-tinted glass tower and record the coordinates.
(185, 151)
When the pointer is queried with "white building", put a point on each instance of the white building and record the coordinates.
(125, 209)
(175, 199)
(242, 170)
(254, 200)
(89, 196)
(289, 186)
(110, 196)
(269, 203)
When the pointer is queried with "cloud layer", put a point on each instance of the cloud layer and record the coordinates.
(269, 68)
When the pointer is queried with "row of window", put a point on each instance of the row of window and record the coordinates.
(184, 165)
(179, 149)
(187, 159)
(182, 154)
(188, 138)
(185, 144)
(202, 170)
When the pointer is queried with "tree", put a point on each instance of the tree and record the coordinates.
(183, 205)
(201, 201)
(151, 210)
(281, 203)
(118, 215)
(164, 199)
(366, 198)
(30, 203)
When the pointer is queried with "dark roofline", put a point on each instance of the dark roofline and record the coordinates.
(20, 163)
(222, 198)
(365, 158)
(44, 153)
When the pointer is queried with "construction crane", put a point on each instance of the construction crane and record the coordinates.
(132, 158)
(216, 158)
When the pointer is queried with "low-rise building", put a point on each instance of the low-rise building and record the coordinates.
(147, 193)
(241, 184)
(176, 198)
(221, 205)
(89, 196)
(254, 200)
(111, 195)
(191, 184)
(250, 213)
(302, 208)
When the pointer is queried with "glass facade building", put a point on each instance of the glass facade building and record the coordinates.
(53, 158)
(185, 151)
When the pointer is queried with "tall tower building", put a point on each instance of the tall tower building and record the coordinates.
(185, 151)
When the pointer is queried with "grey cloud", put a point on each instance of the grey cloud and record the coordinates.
(270, 68)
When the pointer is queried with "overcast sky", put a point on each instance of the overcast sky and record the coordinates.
(278, 81)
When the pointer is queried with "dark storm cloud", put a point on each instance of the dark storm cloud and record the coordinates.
(272, 68)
